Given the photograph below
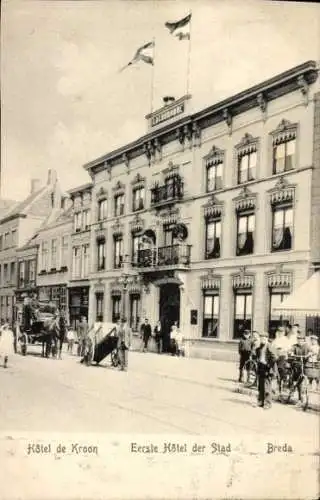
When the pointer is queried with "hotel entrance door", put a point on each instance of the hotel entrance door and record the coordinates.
(169, 310)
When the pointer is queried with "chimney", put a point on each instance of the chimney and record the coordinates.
(168, 100)
(52, 176)
(35, 185)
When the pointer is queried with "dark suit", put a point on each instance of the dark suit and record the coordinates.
(124, 343)
(266, 359)
(158, 337)
(146, 334)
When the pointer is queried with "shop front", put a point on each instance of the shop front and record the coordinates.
(78, 304)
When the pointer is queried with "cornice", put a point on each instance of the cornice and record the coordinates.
(297, 78)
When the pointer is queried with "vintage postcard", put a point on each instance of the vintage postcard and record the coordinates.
(159, 250)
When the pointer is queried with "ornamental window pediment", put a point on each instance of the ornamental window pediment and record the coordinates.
(246, 200)
(210, 281)
(102, 193)
(169, 216)
(242, 281)
(138, 181)
(283, 192)
(285, 131)
(115, 288)
(247, 145)
(213, 208)
(119, 188)
(137, 224)
(214, 157)
(279, 280)
(117, 228)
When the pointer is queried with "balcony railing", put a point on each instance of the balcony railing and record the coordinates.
(164, 256)
(167, 192)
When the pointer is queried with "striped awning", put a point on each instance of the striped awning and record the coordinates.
(305, 300)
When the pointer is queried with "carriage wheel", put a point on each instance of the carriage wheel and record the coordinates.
(250, 368)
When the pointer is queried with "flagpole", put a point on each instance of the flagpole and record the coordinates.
(152, 77)
(189, 57)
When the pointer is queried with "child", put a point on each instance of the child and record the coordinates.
(71, 337)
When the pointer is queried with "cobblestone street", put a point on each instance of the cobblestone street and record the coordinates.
(159, 396)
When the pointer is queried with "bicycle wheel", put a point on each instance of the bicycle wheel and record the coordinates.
(304, 393)
(250, 368)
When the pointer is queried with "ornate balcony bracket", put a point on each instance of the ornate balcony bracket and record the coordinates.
(304, 87)
(196, 135)
(108, 168)
(263, 104)
(126, 162)
(227, 116)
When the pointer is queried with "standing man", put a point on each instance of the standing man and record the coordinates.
(245, 349)
(83, 329)
(266, 359)
(62, 332)
(124, 343)
(145, 334)
(158, 336)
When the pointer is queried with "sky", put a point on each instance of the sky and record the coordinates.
(64, 101)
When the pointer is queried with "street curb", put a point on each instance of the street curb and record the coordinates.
(252, 392)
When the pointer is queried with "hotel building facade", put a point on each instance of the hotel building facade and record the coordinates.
(212, 217)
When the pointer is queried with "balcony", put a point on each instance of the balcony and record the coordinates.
(173, 255)
(167, 193)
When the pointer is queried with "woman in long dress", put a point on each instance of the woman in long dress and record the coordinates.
(6, 344)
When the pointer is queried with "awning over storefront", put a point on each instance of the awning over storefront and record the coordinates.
(305, 300)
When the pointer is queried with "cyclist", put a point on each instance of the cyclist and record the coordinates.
(300, 352)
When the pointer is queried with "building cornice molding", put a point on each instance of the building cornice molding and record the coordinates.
(189, 127)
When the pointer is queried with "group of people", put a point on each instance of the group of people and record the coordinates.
(172, 343)
(272, 355)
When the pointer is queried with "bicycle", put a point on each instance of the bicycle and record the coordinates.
(251, 371)
(296, 379)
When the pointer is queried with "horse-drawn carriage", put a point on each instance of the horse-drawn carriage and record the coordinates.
(36, 328)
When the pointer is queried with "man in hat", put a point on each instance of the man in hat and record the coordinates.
(245, 349)
(301, 353)
(124, 343)
(266, 359)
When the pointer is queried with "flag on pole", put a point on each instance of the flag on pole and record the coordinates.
(180, 29)
(144, 54)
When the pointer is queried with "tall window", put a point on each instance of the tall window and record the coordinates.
(213, 238)
(1, 242)
(6, 240)
(134, 312)
(116, 308)
(284, 155)
(168, 235)
(101, 248)
(118, 251)
(245, 230)
(282, 225)
(85, 261)
(138, 195)
(44, 256)
(77, 221)
(86, 219)
(64, 251)
(14, 237)
(210, 323)
(99, 306)
(32, 272)
(76, 262)
(135, 247)
(54, 254)
(242, 312)
(214, 176)
(118, 205)
(275, 320)
(102, 209)
(247, 164)
(21, 274)
(12, 272)
(5, 274)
